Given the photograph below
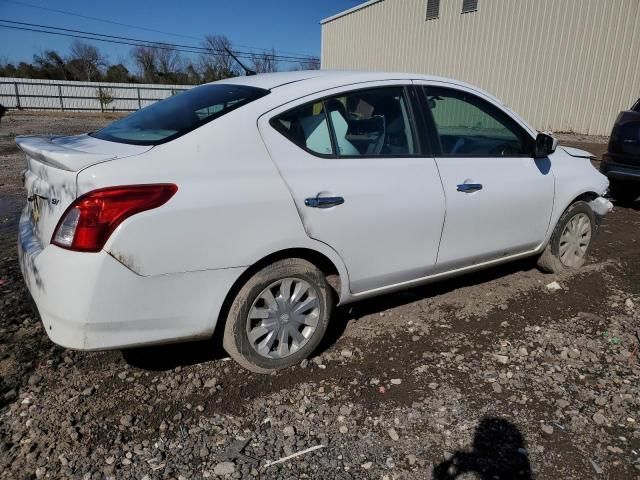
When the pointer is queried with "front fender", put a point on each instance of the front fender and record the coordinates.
(575, 178)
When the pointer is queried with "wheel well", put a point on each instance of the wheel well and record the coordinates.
(585, 197)
(321, 261)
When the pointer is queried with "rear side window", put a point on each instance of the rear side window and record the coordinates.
(307, 127)
(173, 117)
(636, 107)
(362, 123)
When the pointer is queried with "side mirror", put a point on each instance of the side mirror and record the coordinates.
(545, 145)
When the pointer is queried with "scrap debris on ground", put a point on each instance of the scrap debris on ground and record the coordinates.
(507, 373)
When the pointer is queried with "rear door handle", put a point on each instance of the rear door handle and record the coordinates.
(469, 187)
(323, 202)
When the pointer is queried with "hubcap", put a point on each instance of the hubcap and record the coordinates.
(283, 318)
(575, 240)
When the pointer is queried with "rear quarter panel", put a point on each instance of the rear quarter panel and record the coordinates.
(232, 207)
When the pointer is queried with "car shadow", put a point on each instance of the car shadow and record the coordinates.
(170, 356)
(353, 311)
(498, 453)
(167, 357)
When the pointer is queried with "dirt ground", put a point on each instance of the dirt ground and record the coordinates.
(488, 376)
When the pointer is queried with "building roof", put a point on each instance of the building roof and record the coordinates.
(351, 10)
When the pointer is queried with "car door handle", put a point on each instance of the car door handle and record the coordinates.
(323, 202)
(469, 187)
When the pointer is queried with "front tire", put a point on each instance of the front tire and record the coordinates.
(571, 241)
(279, 316)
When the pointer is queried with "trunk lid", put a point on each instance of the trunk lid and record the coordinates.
(52, 165)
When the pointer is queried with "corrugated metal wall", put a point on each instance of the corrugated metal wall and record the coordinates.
(564, 65)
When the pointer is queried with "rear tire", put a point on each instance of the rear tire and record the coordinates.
(571, 240)
(279, 316)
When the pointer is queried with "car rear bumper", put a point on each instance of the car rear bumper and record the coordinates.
(621, 172)
(90, 301)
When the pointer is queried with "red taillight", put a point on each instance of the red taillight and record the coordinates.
(90, 220)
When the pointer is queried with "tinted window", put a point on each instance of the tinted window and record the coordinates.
(636, 107)
(433, 9)
(470, 127)
(368, 123)
(371, 122)
(177, 115)
(307, 127)
(469, 6)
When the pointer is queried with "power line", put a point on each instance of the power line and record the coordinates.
(96, 39)
(134, 41)
(65, 12)
(133, 44)
(150, 43)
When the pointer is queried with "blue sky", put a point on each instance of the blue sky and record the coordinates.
(286, 25)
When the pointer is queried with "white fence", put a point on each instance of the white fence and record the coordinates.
(31, 94)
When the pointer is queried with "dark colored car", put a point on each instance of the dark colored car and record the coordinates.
(621, 163)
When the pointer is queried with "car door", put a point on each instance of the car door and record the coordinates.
(498, 197)
(352, 162)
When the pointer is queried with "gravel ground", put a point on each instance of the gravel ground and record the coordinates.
(492, 375)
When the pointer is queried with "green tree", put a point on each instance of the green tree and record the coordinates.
(118, 73)
(51, 65)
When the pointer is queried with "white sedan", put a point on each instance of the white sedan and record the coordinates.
(255, 204)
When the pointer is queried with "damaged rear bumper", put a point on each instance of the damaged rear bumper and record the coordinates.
(90, 301)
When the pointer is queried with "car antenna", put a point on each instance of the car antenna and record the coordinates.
(247, 71)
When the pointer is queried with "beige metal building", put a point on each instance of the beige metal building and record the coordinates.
(564, 65)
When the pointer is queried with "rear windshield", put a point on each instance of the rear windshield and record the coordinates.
(170, 118)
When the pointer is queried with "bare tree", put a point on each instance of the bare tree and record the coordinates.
(217, 62)
(169, 63)
(264, 62)
(88, 58)
(145, 58)
(313, 63)
(193, 76)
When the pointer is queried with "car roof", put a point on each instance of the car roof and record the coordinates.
(269, 81)
(311, 81)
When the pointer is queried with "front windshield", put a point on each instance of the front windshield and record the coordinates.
(177, 115)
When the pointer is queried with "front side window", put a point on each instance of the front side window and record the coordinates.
(468, 126)
(170, 118)
(362, 123)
